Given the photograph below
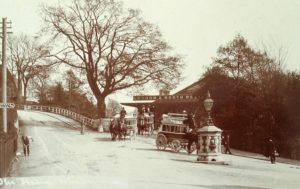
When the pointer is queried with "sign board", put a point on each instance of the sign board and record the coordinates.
(7, 105)
(165, 97)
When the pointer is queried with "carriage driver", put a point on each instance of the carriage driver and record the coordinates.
(191, 131)
(123, 113)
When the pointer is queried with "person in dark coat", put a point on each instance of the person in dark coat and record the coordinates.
(141, 122)
(226, 143)
(271, 150)
(25, 141)
(191, 131)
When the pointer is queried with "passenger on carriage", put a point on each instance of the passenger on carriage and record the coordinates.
(123, 113)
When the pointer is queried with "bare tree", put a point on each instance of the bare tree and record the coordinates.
(27, 59)
(115, 48)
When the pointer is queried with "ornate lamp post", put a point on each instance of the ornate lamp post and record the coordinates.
(209, 137)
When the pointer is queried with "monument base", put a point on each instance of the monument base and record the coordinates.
(213, 162)
(210, 159)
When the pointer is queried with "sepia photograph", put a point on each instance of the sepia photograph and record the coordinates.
(149, 94)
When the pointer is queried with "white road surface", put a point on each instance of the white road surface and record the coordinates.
(63, 158)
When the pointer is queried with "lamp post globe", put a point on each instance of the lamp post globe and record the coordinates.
(208, 104)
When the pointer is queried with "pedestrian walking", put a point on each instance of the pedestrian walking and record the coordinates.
(226, 143)
(271, 150)
(25, 141)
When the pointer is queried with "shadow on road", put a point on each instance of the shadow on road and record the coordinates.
(165, 151)
(206, 186)
(155, 150)
(234, 187)
(108, 139)
(147, 149)
(104, 139)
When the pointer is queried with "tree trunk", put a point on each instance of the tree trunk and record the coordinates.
(25, 94)
(101, 107)
(19, 90)
(100, 96)
(25, 90)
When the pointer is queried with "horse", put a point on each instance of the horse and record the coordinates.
(122, 127)
(118, 129)
(113, 130)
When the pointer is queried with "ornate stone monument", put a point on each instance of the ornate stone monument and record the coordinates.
(209, 138)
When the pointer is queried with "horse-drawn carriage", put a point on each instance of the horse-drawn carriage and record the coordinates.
(173, 133)
(121, 128)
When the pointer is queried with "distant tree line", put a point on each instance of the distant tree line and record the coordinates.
(255, 99)
(67, 94)
(70, 95)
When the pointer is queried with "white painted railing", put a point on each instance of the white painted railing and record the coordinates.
(93, 123)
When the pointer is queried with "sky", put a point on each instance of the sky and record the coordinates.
(196, 28)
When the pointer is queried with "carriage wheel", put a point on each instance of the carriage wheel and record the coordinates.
(176, 145)
(161, 142)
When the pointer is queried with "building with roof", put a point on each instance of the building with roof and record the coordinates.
(183, 100)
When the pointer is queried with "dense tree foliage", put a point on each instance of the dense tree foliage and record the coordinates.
(254, 98)
(67, 94)
(58, 96)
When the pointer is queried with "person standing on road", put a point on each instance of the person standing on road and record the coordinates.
(141, 122)
(271, 151)
(226, 142)
(25, 141)
(82, 128)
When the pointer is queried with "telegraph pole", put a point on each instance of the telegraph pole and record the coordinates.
(4, 75)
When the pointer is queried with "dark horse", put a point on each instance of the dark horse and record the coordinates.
(118, 129)
(192, 142)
